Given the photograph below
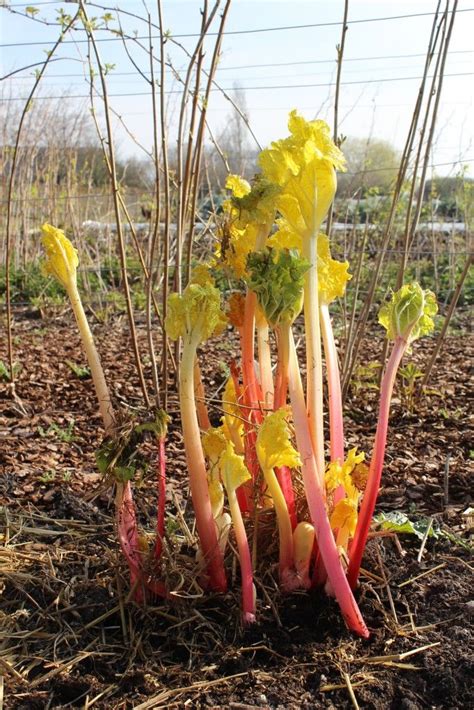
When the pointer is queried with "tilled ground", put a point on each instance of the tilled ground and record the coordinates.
(71, 637)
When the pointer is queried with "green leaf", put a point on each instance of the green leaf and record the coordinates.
(400, 523)
(124, 473)
(409, 314)
(82, 372)
(278, 283)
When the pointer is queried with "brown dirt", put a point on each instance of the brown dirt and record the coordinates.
(70, 638)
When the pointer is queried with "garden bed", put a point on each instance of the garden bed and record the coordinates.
(71, 638)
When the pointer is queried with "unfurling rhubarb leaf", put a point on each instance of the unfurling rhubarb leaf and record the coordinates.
(277, 277)
(409, 314)
(234, 474)
(275, 450)
(332, 275)
(196, 314)
(274, 447)
(303, 166)
(61, 257)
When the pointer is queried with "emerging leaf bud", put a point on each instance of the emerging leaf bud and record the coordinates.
(409, 313)
(61, 256)
(195, 314)
(303, 541)
(278, 283)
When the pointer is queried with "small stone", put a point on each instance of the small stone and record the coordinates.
(262, 699)
(469, 606)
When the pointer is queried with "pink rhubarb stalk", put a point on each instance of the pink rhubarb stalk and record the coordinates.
(205, 523)
(336, 424)
(316, 503)
(336, 421)
(376, 464)
(283, 473)
(265, 364)
(200, 394)
(248, 594)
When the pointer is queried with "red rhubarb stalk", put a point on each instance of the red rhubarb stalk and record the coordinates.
(160, 517)
(316, 503)
(376, 464)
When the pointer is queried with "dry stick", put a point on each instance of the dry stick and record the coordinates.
(447, 320)
(434, 91)
(154, 233)
(189, 209)
(438, 92)
(410, 228)
(26, 108)
(166, 175)
(352, 352)
(201, 128)
(387, 585)
(225, 94)
(115, 189)
(350, 690)
(183, 181)
(340, 56)
(186, 187)
(423, 542)
(148, 270)
(355, 295)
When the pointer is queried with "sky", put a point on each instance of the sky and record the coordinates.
(277, 70)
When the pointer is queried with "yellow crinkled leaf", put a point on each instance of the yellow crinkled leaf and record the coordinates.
(353, 458)
(195, 314)
(319, 133)
(274, 448)
(234, 472)
(344, 518)
(61, 257)
(285, 237)
(238, 185)
(216, 495)
(240, 242)
(340, 474)
(214, 443)
(232, 424)
(332, 275)
(201, 275)
(303, 165)
(334, 476)
(230, 404)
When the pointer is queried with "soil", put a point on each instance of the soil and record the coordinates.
(71, 637)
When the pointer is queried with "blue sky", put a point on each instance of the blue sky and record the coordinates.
(262, 63)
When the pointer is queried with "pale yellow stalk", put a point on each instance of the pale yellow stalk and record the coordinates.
(314, 365)
(98, 378)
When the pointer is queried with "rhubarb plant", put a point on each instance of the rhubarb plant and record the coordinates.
(268, 459)
(408, 316)
(194, 316)
(280, 264)
(115, 457)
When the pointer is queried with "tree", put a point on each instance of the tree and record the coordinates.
(371, 163)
